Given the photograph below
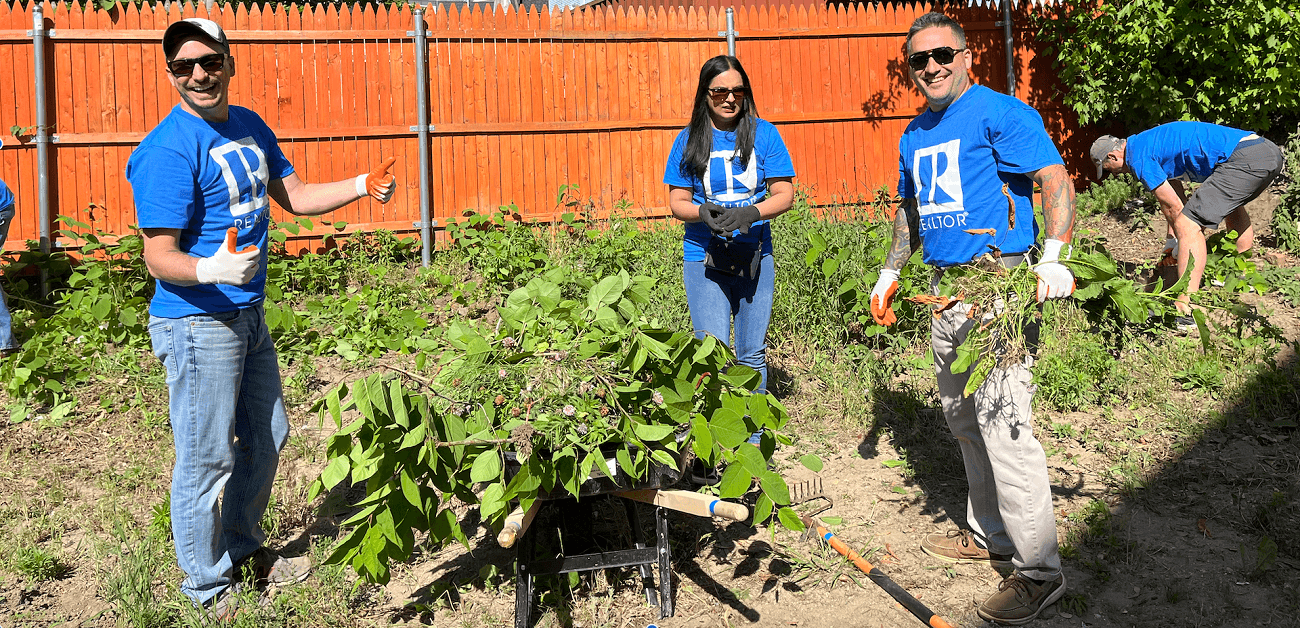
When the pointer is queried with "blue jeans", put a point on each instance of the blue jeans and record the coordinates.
(6, 322)
(228, 423)
(714, 298)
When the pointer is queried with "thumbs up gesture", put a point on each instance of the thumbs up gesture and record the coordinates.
(228, 266)
(378, 184)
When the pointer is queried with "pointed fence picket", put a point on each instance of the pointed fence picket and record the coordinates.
(521, 102)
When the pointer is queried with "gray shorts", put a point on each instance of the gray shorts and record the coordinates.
(1235, 182)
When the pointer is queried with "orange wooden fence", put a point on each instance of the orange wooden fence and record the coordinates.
(521, 102)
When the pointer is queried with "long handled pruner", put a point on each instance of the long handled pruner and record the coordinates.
(877, 576)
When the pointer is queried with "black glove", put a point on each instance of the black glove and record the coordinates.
(711, 214)
(738, 218)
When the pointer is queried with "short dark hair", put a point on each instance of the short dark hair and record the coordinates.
(931, 20)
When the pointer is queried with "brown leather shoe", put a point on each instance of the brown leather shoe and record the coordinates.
(958, 546)
(1019, 600)
(276, 569)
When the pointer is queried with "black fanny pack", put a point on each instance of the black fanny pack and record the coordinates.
(734, 257)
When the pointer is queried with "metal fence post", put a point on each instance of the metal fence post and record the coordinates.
(730, 33)
(1010, 44)
(42, 143)
(422, 132)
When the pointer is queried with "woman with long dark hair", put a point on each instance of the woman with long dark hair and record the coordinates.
(728, 174)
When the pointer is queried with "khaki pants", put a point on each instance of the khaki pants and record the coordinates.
(1010, 503)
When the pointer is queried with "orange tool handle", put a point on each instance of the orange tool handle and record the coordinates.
(877, 576)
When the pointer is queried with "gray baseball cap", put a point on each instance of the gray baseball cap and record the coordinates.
(190, 28)
(1100, 149)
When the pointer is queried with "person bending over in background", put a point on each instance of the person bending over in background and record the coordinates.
(954, 160)
(728, 174)
(8, 344)
(1233, 167)
(202, 180)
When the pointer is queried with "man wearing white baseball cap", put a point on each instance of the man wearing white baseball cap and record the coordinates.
(203, 180)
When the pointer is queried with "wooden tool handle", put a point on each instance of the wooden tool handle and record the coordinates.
(690, 502)
(517, 523)
(730, 510)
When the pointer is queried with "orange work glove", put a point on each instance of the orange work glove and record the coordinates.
(882, 297)
(1169, 256)
(378, 184)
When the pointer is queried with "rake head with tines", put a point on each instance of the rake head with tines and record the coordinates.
(810, 490)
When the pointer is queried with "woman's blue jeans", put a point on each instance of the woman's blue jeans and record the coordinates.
(6, 321)
(228, 423)
(716, 298)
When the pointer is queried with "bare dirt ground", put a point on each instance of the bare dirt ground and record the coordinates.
(1183, 551)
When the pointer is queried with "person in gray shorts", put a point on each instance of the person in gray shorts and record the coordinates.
(1233, 167)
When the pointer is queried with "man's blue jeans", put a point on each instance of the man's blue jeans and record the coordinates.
(714, 298)
(228, 423)
(6, 322)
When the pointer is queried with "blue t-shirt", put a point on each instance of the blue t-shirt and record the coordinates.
(6, 196)
(729, 184)
(955, 163)
(204, 178)
(1188, 151)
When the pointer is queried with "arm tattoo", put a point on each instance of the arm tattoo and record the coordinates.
(1058, 201)
(907, 236)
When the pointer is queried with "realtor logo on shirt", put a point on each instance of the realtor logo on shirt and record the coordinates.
(936, 175)
(740, 186)
(243, 166)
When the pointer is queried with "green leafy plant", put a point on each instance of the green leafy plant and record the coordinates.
(1004, 302)
(1236, 272)
(1286, 216)
(1145, 62)
(505, 252)
(842, 254)
(1204, 373)
(1110, 194)
(1285, 282)
(1076, 366)
(26, 131)
(99, 303)
(39, 565)
(558, 390)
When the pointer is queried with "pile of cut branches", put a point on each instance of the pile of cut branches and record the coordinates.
(572, 381)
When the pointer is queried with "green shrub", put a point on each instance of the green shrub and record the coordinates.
(1286, 216)
(1145, 62)
(827, 265)
(1110, 194)
(1075, 368)
(98, 303)
(502, 250)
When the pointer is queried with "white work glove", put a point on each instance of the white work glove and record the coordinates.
(882, 297)
(378, 184)
(228, 266)
(1169, 255)
(1055, 281)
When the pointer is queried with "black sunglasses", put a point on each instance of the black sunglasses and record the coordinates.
(943, 55)
(719, 94)
(185, 67)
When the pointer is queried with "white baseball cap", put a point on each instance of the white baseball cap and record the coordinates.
(189, 28)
